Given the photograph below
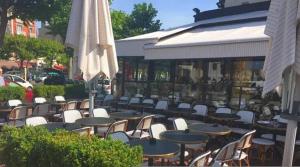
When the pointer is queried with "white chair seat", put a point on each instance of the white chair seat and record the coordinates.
(262, 141)
(137, 134)
(237, 155)
(239, 130)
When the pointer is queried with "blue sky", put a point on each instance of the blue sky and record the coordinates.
(172, 13)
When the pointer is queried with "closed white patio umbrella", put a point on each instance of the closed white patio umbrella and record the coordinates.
(90, 35)
(282, 65)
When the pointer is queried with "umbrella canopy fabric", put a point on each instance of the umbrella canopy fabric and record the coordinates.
(282, 27)
(90, 35)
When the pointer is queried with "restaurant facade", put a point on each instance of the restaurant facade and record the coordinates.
(217, 59)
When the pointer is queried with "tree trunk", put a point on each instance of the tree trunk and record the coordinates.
(3, 23)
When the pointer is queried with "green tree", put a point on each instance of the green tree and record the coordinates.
(120, 24)
(142, 19)
(26, 10)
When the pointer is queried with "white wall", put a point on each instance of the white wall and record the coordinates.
(229, 3)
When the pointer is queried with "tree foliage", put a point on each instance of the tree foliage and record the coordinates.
(140, 21)
(26, 10)
(30, 48)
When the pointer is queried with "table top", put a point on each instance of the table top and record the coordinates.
(156, 148)
(226, 117)
(127, 115)
(271, 125)
(52, 126)
(210, 129)
(95, 121)
(184, 137)
(181, 111)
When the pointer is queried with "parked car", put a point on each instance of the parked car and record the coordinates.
(18, 80)
(54, 77)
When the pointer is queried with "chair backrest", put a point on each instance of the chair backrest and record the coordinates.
(117, 127)
(180, 124)
(156, 130)
(39, 100)
(145, 123)
(246, 140)
(246, 116)
(120, 136)
(108, 98)
(124, 98)
(35, 121)
(14, 103)
(279, 119)
(184, 106)
(134, 100)
(70, 116)
(139, 96)
(161, 105)
(201, 110)
(100, 112)
(201, 160)
(41, 109)
(223, 110)
(227, 152)
(59, 99)
(85, 104)
(18, 113)
(71, 105)
(148, 101)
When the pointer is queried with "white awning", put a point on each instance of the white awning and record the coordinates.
(134, 46)
(234, 40)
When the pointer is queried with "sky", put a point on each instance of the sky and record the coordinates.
(172, 13)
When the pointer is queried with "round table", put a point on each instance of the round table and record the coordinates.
(127, 115)
(210, 129)
(182, 138)
(53, 126)
(156, 148)
(95, 122)
(225, 117)
(271, 126)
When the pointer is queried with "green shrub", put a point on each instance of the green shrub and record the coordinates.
(7, 93)
(74, 91)
(48, 91)
(36, 147)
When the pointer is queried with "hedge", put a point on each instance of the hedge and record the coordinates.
(36, 147)
(7, 93)
(69, 91)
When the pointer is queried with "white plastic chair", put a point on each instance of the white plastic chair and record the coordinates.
(223, 111)
(200, 110)
(39, 100)
(70, 116)
(247, 117)
(100, 112)
(59, 99)
(134, 100)
(35, 121)
(14, 103)
(180, 124)
(184, 106)
(156, 130)
(161, 105)
(201, 160)
(119, 136)
(142, 129)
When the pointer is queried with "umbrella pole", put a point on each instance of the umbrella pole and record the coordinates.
(92, 93)
(292, 125)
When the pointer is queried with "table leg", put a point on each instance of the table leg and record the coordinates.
(150, 161)
(182, 150)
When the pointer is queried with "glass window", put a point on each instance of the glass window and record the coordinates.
(162, 70)
(130, 69)
(142, 73)
(19, 29)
